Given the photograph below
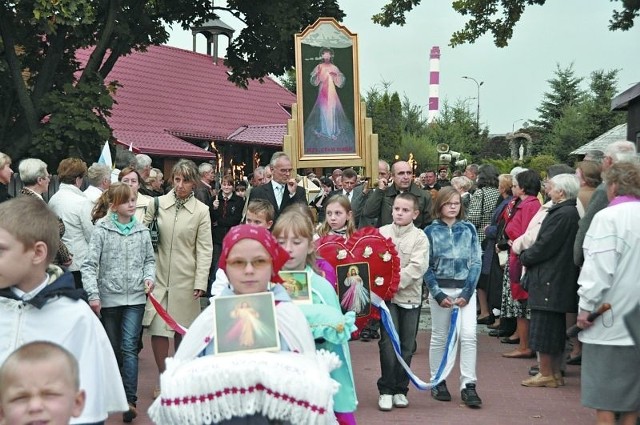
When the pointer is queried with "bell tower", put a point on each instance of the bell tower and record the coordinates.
(212, 30)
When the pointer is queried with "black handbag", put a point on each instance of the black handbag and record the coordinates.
(524, 281)
(154, 230)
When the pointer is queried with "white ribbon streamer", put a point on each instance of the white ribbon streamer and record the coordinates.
(447, 362)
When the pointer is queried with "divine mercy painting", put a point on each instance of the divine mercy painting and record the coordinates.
(328, 92)
(245, 323)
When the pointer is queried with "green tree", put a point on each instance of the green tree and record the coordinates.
(540, 163)
(570, 117)
(39, 40)
(423, 151)
(496, 147)
(571, 131)
(413, 121)
(455, 126)
(265, 46)
(288, 80)
(497, 17)
(385, 110)
(564, 92)
(597, 108)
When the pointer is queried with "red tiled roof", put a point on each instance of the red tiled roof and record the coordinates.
(167, 92)
(161, 144)
(268, 135)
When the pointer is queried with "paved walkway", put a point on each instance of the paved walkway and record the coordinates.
(505, 401)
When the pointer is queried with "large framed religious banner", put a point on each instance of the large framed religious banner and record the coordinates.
(328, 97)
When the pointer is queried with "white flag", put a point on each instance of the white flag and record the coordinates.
(105, 155)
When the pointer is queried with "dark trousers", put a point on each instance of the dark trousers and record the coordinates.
(123, 325)
(394, 379)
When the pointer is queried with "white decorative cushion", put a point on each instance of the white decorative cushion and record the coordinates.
(281, 386)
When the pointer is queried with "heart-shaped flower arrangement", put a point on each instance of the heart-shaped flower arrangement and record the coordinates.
(366, 262)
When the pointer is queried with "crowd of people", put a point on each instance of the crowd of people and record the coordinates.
(526, 255)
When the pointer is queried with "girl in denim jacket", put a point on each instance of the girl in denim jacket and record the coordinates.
(454, 269)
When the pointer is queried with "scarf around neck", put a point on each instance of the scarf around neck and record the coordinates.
(180, 202)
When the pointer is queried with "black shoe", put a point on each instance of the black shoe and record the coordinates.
(470, 396)
(575, 361)
(130, 414)
(374, 334)
(487, 320)
(440, 392)
(534, 370)
(365, 335)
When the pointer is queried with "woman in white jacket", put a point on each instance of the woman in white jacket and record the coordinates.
(74, 209)
(610, 275)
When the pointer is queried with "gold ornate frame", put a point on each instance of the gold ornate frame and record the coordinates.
(327, 33)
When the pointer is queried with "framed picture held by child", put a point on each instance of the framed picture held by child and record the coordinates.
(354, 290)
(298, 285)
(245, 323)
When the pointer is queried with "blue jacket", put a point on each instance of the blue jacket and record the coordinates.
(454, 258)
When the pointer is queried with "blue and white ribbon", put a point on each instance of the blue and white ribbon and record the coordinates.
(447, 362)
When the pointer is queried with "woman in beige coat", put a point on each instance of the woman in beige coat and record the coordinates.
(182, 260)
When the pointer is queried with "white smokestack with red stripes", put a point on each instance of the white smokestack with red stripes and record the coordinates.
(434, 83)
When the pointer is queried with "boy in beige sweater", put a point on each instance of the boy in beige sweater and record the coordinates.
(413, 249)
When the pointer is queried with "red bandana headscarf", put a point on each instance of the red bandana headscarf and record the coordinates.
(244, 231)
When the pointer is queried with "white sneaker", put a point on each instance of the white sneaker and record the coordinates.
(400, 400)
(385, 402)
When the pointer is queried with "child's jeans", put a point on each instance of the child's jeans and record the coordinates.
(394, 379)
(123, 325)
(440, 320)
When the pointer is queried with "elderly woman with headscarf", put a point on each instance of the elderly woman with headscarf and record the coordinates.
(610, 373)
(182, 261)
(551, 280)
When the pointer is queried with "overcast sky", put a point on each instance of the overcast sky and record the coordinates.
(515, 77)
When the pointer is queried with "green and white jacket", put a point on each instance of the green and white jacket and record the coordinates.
(119, 260)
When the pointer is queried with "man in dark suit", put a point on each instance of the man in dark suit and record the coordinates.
(352, 192)
(203, 191)
(282, 190)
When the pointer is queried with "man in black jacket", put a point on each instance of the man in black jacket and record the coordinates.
(226, 213)
(282, 190)
(352, 192)
(379, 202)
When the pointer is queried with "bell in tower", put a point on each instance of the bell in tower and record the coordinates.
(212, 30)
